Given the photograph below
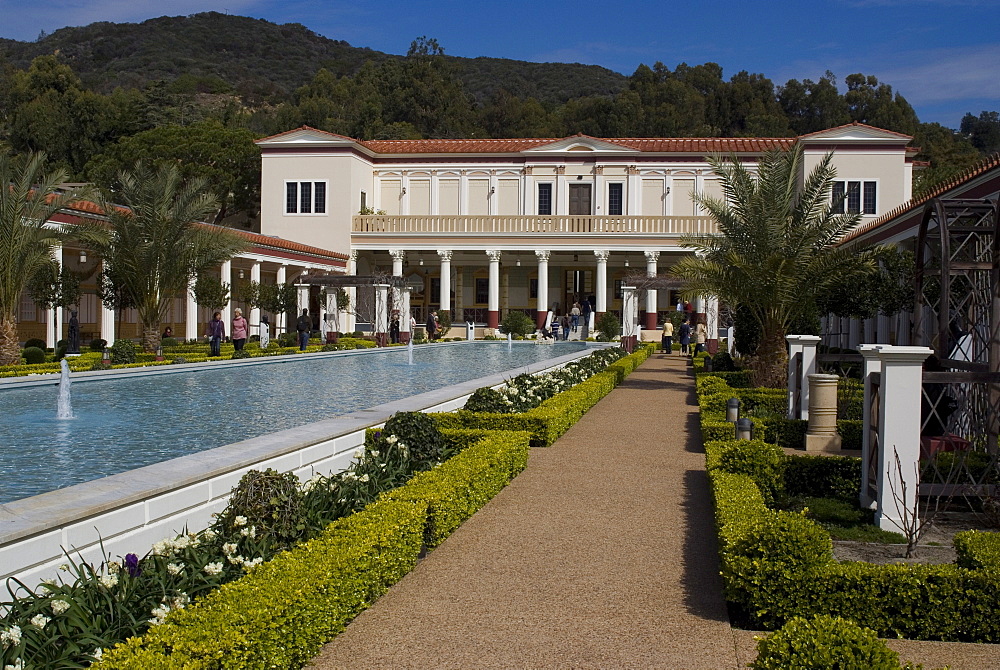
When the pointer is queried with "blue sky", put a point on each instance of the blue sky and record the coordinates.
(942, 55)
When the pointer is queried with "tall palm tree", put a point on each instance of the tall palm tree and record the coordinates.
(28, 200)
(774, 255)
(152, 244)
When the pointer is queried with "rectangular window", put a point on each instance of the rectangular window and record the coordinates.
(482, 290)
(619, 293)
(615, 199)
(855, 197)
(533, 288)
(305, 197)
(545, 199)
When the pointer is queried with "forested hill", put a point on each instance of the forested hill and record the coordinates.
(257, 58)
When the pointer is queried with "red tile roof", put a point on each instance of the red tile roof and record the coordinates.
(983, 166)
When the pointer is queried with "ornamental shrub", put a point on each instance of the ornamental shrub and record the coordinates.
(269, 501)
(287, 339)
(762, 462)
(823, 477)
(723, 362)
(168, 342)
(33, 355)
(421, 435)
(517, 323)
(486, 399)
(122, 352)
(608, 327)
(98, 344)
(35, 342)
(831, 510)
(241, 354)
(824, 643)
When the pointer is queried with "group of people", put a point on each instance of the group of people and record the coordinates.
(684, 333)
(433, 326)
(216, 332)
(577, 318)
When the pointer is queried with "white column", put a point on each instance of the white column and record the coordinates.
(350, 318)
(872, 365)
(630, 311)
(601, 281)
(651, 298)
(899, 435)
(542, 308)
(398, 256)
(191, 331)
(381, 325)
(807, 345)
(255, 311)
(280, 320)
(444, 300)
(493, 308)
(108, 323)
(226, 275)
(53, 322)
(302, 293)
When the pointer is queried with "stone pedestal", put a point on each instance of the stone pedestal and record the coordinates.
(822, 434)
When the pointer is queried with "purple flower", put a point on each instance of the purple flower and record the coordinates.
(132, 565)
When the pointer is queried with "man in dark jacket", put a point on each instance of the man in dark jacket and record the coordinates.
(431, 326)
(304, 328)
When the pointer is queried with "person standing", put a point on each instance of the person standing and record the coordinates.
(431, 325)
(566, 325)
(575, 315)
(667, 339)
(585, 310)
(241, 329)
(303, 326)
(700, 337)
(216, 331)
(322, 329)
(684, 333)
(394, 328)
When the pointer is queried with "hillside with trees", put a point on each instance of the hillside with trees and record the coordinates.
(198, 90)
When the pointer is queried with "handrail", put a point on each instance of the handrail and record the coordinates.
(502, 223)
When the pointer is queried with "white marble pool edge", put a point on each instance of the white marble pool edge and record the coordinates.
(130, 511)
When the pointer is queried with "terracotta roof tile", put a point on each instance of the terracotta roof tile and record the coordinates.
(644, 144)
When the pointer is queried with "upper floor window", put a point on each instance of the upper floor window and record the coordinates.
(545, 199)
(854, 197)
(615, 199)
(305, 197)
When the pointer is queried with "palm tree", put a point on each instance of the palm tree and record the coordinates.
(775, 253)
(152, 244)
(28, 200)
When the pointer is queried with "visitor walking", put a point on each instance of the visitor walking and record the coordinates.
(323, 327)
(566, 325)
(685, 336)
(265, 332)
(585, 311)
(241, 329)
(700, 337)
(667, 339)
(575, 315)
(303, 326)
(216, 331)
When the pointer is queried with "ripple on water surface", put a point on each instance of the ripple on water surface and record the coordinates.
(122, 424)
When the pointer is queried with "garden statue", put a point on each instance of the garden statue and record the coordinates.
(265, 331)
(73, 344)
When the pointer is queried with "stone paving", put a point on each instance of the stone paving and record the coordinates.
(601, 554)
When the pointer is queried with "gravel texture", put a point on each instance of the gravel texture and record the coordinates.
(601, 554)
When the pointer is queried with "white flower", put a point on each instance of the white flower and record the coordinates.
(359, 453)
(208, 534)
(97, 654)
(253, 563)
(64, 567)
(114, 567)
(10, 637)
(108, 580)
(363, 478)
(249, 532)
(174, 568)
(229, 548)
(48, 582)
(374, 453)
(40, 620)
(18, 665)
(213, 568)
(240, 521)
(59, 606)
(392, 439)
(236, 560)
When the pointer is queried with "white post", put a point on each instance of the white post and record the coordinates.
(794, 349)
(651, 302)
(381, 325)
(190, 314)
(542, 309)
(301, 293)
(872, 366)
(601, 281)
(350, 319)
(53, 321)
(493, 308)
(444, 300)
(899, 435)
(810, 346)
(712, 323)
(255, 277)
(280, 320)
(398, 256)
(404, 315)
(226, 275)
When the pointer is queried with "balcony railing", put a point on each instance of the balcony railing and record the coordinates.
(579, 225)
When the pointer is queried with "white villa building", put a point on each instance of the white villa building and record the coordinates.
(483, 226)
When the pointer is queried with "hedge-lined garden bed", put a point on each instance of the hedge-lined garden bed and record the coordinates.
(778, 565)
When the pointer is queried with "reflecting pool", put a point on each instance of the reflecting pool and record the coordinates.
(124, 423)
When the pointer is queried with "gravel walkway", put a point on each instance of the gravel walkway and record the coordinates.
(601, 554)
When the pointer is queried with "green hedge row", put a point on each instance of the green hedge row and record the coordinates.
(282, 612)
(779, 565)
(552, 418)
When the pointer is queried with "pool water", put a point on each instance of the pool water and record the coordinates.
(125, 423)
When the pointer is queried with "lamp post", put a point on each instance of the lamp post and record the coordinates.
(732, 410)
(744, 429)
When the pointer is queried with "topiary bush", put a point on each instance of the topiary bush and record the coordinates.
(168, 342)
(762, 462)
(60, 352)
(98, 344)
(122, 352)
(35, 342)
(420, 433)
(517, 323)
(269, 502)
(723, 362)
(486, 399)
(287, 339)
(241, 354)
(824, 643)
(608, 327)
(33, 355)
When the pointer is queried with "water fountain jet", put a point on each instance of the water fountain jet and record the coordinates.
(64, 407)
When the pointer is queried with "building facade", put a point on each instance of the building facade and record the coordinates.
(481, 227)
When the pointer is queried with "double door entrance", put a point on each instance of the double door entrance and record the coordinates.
(580, 199)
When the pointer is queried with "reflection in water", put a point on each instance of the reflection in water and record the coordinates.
(124, 424)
